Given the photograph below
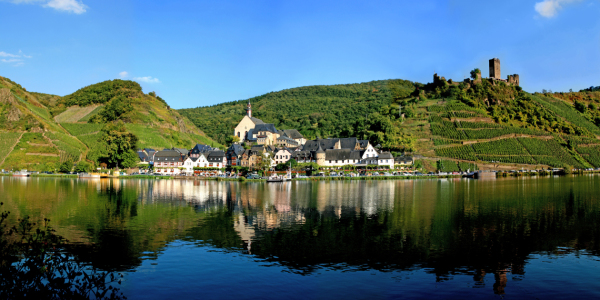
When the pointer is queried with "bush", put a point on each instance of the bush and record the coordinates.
(66, 166)
(83, 166)
(35, 265)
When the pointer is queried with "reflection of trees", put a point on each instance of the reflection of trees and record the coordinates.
(454, 231)
(466, 227)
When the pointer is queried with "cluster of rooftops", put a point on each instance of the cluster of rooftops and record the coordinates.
(325, 152)
(178, 154)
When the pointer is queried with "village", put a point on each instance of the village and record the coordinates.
(261, 146)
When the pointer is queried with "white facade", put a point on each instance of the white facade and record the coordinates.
(282, 156)
(189, 164)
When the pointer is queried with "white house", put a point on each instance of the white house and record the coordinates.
(282, 155)
(217, 159)
(196, 161)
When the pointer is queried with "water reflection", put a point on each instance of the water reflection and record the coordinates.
(447, 227)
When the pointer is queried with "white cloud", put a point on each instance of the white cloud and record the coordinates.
(123, 74)
(74, 6)
(147, 79)
(15, 59)
(11, 60)
(4, 54)
(549, 8)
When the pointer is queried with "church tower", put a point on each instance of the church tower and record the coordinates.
(249, 110)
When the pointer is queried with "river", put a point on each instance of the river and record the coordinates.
(520, 238)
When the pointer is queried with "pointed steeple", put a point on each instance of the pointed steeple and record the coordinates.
(249, 110)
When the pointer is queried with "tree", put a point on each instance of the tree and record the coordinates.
(83, 166)
(580, 106)
(66, 166)
(119, 146)
(265, 162)
(113, 110)
(232, 139)
(474, 73)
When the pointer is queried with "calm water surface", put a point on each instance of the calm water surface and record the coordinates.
(524, 238)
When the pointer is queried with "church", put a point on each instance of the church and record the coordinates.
(254, 130)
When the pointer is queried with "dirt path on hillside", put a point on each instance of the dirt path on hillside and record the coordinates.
(42, 154)
(12, 148)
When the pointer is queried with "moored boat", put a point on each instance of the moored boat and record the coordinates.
(89, 175)
(22, 173)
(280, 178)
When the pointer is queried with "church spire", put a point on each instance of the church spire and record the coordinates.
(249, 110)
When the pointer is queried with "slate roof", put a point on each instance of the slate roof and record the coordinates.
(250, 152)
(182, 151)
(202, 148)
(194, 159)
(235, 149)
(302, 155)
(363, 143)
(250, 136)
(265, 127)
(385, 155)
(342, 154)
(215, 156)
(345, 143)
(403, 159)
(257, 121)
(168, 155)
(293, 134)
(258, 148)
(142, 155)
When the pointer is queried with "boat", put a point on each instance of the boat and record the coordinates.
(281, 178)
(481, 175)
(22, 173)
(89, 175)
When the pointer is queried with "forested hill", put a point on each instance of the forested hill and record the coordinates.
(485, 121)
(316, 111)
(41, 131)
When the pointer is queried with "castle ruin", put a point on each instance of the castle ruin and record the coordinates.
(495, 76)
(495, 68)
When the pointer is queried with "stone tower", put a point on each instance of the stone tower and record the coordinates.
(495, 68)
(320, 155)
(249, 110)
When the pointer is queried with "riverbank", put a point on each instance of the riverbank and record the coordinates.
(315, 178)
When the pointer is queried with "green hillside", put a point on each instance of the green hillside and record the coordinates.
(488, 122)
(316, 111)
(41, 131)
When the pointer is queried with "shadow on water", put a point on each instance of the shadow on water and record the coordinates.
(446, 227)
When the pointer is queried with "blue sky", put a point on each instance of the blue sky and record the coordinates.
(198, 53)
